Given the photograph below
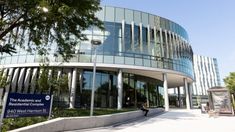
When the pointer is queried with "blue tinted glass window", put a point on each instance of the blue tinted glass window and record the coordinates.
(108, 44)
(119, 14)
(128, 16)
(127, 37)
(137, 17)
(109, 16)
(145, 40)
(136, 39)
(145, 19)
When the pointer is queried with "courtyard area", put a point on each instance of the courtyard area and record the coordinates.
(176, 120)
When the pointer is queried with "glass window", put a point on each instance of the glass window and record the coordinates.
(109, 16)
(85, 46)
(119, 14)
(145, 19)
(162, 23)
(167, 24)
(151, 20)
(108, 44)
(22, 59)
(137, 17)
(8, 60)
(128, 16)
(14, 59)
(117, 47)
(136, 39)
(145, 41)
(119, 60)
(127, 38)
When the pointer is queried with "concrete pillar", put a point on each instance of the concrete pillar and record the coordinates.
(26, 80)
(73, 89)
(166, 99)
(21, 80)
(120, 89)
(187, 94)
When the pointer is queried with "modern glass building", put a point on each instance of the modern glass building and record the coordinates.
(141, 56)
(206, 76)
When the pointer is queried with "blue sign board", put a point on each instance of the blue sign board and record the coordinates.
(27, 105)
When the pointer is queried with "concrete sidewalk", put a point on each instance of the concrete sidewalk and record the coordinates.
(177, 120)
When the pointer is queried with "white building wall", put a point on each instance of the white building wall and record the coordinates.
(206, 74)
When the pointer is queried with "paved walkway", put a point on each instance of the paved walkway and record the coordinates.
(174, 121)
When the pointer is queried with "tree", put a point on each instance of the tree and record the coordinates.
(230, 82)
(3, 79)
(37, 24)
(44, 81)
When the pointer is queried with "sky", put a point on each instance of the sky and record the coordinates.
(210, 25)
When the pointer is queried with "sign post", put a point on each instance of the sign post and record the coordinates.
(27, 105)
(49, 117)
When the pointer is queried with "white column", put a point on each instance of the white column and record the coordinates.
(81, 79)
(187, 94)
(9, 79)
(148, 33)
(49, 78)
(21, 80)
(166, 44)
(141, 38)
(121, 47)
(26, 80)
(120, 89)
(155, 51)
(33, 81)
(133, 36)
(73, 89)
(69, 80)
(59, 74)
(14, 80)
(161, 44)
(166, 99)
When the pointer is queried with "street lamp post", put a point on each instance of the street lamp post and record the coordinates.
(94, 44)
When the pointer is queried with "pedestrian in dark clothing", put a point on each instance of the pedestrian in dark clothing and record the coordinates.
(144, 108)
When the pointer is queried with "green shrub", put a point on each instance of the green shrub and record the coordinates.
(13, 123)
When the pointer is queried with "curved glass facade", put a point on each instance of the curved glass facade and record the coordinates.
(131, 38)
